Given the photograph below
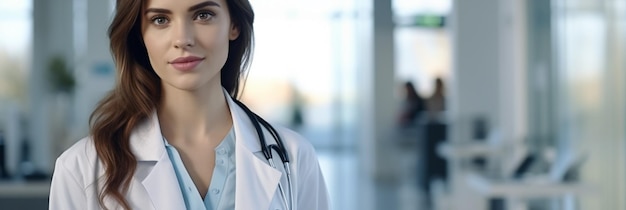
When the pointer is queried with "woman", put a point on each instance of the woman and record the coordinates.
(170, 135)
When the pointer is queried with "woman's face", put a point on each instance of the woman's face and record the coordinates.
(187, 40)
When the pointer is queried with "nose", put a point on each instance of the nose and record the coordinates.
(183, 36)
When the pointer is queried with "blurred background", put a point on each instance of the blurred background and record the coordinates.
(411, 104)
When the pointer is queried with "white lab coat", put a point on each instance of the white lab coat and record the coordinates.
(154, 184)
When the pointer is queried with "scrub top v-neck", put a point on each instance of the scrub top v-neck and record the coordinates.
(221, 192)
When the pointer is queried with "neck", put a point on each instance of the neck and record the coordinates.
(192, 116)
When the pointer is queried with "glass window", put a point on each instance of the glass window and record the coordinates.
(589, 45)
(304, 75)
(304, 61)
(422, 42)
(15, 42)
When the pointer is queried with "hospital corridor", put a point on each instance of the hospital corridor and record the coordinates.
(409, 104)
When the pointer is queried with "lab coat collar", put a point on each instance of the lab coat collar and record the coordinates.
(146, 141)
(244, 130)
(154, 169)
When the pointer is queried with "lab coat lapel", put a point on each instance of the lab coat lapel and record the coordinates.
(162, 186)
(256, 181)
(154, 168)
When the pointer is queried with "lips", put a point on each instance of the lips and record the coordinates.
(186, 63)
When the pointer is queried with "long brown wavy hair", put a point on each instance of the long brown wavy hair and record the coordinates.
(138, 90)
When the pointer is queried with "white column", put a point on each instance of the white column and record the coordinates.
(95, 68)
(76, 30)
(475, 77)
(52, 36)
(376, 93)
(13, 137)
(383, 84)
(512, 67)
(473, 85)
(488, 77)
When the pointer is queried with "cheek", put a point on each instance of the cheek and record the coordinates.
(154, 47)
(221, 47)
(214, 38)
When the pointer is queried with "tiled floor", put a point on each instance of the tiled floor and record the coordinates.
(351, 189)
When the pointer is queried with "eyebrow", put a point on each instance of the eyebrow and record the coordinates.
(192, 8)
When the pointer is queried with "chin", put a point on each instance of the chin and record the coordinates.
(191, 82)
(186, 84)
(189, 88)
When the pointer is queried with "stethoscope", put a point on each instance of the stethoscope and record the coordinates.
(279, 148)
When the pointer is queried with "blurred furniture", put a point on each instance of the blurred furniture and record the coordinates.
(515, 193)
(24, 195)
(505, 176)
(24, 189)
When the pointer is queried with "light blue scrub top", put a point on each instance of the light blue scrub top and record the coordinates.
(221, 192)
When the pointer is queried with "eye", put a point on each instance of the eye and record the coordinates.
(159, 20)
(203, 16)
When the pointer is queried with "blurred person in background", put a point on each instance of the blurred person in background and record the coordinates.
(172, 135)
(436, 103)
(435, 131)
(412, 107)
(297, 109)
(411, 141)
(409, 119)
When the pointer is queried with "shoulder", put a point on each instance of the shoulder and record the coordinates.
(296, 144)
(307, 174)
(79, 160)
(79, 151)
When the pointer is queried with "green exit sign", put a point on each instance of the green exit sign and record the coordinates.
(429, 21)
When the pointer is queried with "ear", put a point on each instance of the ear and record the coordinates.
(234, 32)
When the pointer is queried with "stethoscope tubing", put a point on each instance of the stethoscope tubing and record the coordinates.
(279, 148)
